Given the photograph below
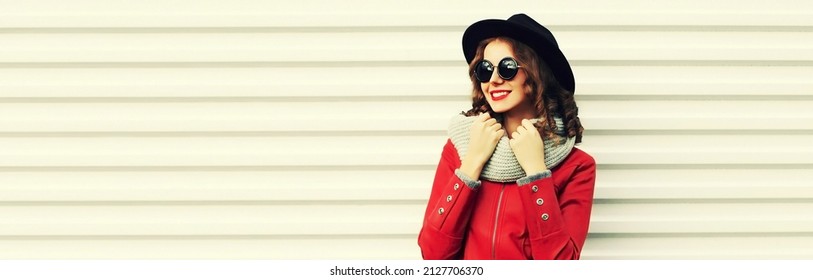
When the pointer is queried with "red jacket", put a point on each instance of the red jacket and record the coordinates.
(545, 219)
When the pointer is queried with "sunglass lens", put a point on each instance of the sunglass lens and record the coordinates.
(483, 71)
(508, 68)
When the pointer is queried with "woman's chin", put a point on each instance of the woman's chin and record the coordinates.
(498, 109)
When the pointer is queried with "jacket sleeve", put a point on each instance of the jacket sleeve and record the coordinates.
(558, 224)
(447, 211)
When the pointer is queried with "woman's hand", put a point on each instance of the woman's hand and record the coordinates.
(485, 133)
(528, 148)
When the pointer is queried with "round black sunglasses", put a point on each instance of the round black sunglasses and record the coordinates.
(506, 69)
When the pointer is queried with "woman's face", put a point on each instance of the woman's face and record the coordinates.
(504, 95)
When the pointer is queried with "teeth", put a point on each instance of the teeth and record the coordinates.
(500, 94)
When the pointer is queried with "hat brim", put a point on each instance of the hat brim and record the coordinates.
(545, 49)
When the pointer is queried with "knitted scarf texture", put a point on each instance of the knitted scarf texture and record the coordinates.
(503, 165)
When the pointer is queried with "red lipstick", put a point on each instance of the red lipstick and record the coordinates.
(497, 95)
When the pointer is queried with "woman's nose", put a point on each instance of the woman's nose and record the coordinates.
(495, 78)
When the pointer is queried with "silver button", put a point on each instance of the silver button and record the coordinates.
(544, 216)
(440, 211)
(449, 198)
(534, 188)
(456, 186)
(539, 201)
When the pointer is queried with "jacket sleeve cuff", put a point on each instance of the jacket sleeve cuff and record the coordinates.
(533, 177)
(471, 183)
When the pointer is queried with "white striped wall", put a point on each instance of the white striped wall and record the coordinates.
(311, 129)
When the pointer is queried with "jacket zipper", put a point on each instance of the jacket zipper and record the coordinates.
(496, 220)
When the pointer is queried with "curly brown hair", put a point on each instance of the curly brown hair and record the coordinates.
(554, 100)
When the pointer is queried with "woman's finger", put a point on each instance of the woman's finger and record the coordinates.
(528, 125)
(484, 116)
(496, 126)
(521, 129)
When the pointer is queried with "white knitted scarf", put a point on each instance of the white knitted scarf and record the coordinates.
(503, 165)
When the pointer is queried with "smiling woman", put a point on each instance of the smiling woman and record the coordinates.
(510, 184)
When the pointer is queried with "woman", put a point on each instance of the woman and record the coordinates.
(535, 190)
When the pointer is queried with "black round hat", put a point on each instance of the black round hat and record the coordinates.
(522, 28)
